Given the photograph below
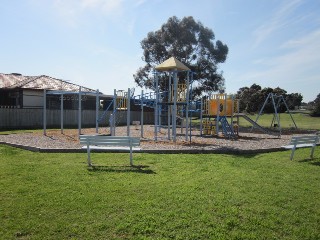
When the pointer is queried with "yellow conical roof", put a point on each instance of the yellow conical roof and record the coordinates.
(171, 64)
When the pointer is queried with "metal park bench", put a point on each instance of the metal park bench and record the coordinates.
(117, 143)
(302, 141)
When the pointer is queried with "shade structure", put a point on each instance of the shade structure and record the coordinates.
(171, 64)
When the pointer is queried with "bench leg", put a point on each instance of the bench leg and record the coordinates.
(89, 158)
(131, 162)
(292, 153)
(312, 150)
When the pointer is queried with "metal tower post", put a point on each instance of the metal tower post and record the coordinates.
(187, 106)
(141, 118)
(61, 113)
(79, 112)
(44, 112)
(97, 110)
(169, 106)
(174, 114)
(156, 108)
(128, 112)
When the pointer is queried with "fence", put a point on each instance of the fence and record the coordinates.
(15, 118)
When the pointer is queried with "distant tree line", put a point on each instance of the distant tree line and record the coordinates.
(316, 106)
(252, 99)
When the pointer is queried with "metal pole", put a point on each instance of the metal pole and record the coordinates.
(128, 113)
(141, 118)
(232, 110)
(61, 113)
(156, 109)
(187, 106)
(44, 112)
(79, 112)
(225, 105)
(113, 121)
(201, 118)
(218, 113)
(174, 124)
(97, 111)
(264, 104)
(190, 126)
(169, 107)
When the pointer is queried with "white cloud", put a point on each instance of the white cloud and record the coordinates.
(139, 2)
(296, 70)
(278, 20)
(72, 10)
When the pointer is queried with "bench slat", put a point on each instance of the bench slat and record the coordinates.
(304, 139)
(112, 143)
(297, 146)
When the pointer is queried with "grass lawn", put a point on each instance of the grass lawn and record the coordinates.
(55, 196)
(303, 121)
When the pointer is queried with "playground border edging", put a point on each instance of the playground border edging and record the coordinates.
(151, 151)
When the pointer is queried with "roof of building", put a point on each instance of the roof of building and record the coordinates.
(171, 64)
(16, 80)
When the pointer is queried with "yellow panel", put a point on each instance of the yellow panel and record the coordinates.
(224, 108)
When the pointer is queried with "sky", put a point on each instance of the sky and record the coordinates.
(96, 43)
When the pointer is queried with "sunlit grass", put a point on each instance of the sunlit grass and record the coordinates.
(303, 121)
(184, 196)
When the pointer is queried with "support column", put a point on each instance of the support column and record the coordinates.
(79, 112)
(61, 113)
(218, 114)
(169, 107)
(44, 112)
(141, 117)
(128, 112)
(201, 117)
(187, 106)
(156, 109)
(174, 114)
(97, 110)
(113, 116)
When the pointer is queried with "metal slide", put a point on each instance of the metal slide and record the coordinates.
(256, 125)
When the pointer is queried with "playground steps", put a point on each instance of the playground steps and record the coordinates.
(226, 128)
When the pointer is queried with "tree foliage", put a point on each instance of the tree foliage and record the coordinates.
(252, 99)
(316, 103)
(191, 43)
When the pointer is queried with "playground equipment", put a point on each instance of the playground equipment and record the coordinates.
(80, 96)
(219, 113)
(215, 111)
(176, 100)
(174, 104)
(276, 101)
(120, 106)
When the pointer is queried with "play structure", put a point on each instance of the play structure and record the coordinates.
(173, 108)
(78, 96)
(216, 111)
(120, 107)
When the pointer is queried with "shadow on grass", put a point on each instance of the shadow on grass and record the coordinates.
(312, 161)
(122, 169)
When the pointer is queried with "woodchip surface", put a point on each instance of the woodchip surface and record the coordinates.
(69, 139)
